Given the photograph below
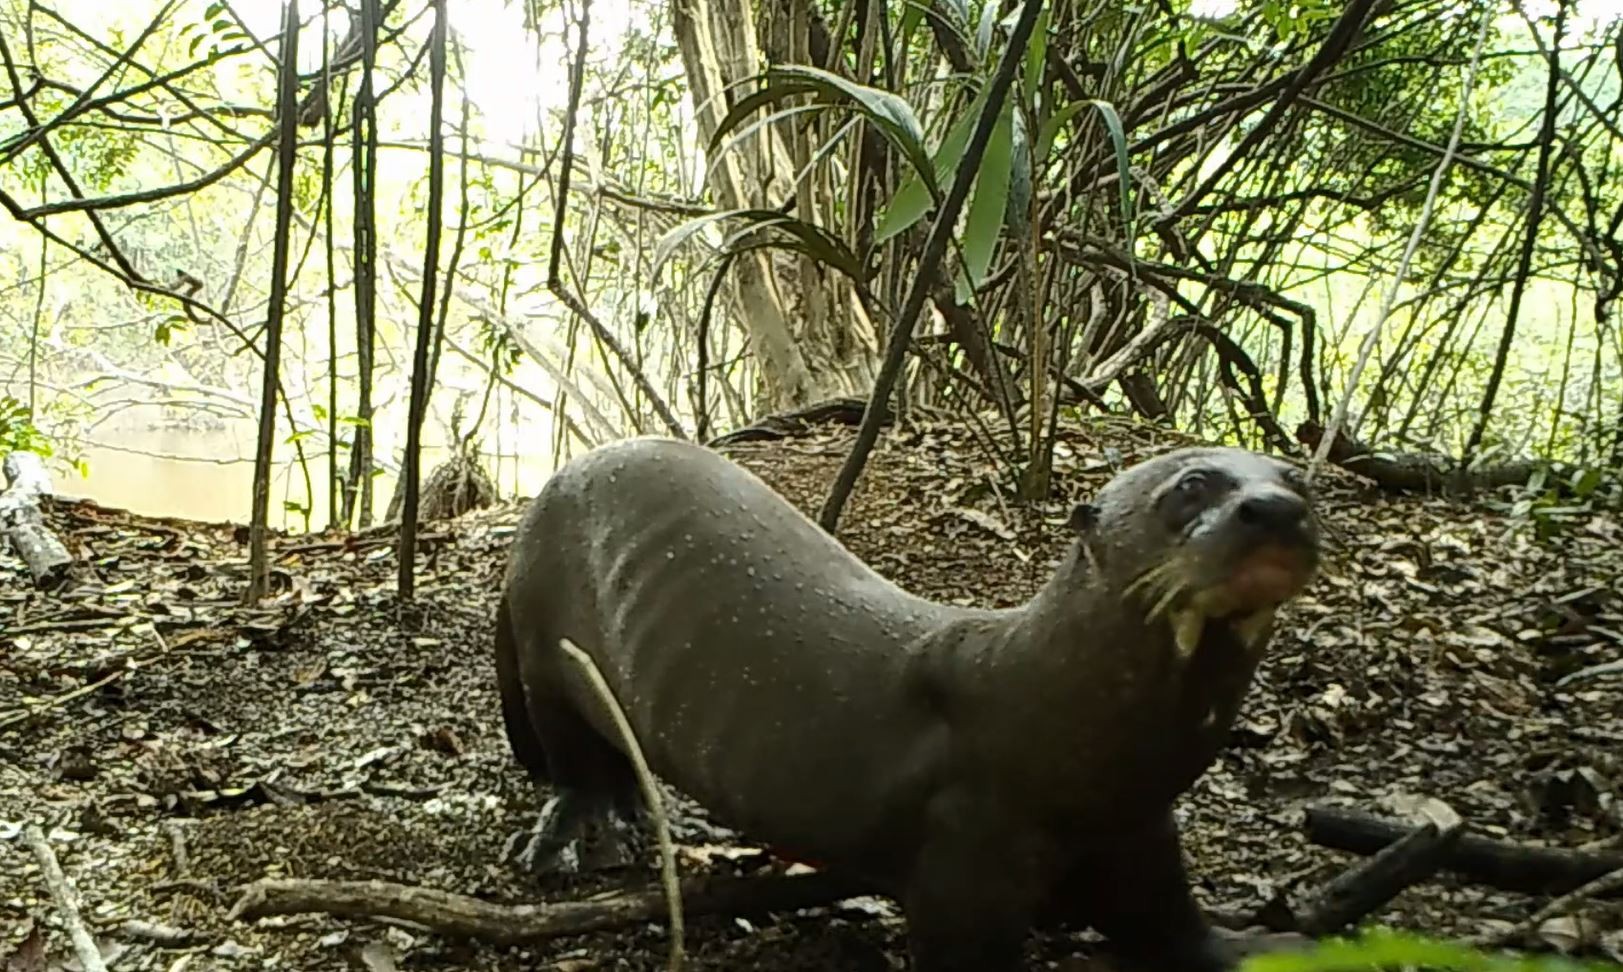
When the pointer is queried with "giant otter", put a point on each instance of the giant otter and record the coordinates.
(990, 769)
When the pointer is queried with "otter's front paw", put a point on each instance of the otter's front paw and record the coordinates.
(575, 834)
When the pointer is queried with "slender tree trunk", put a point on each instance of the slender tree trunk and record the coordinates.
(358, 496)
(335, 484)
(287, 149)
(39, 317)
(444, 314)
(425, 304)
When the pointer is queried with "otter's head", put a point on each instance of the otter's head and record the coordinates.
(1205, 535)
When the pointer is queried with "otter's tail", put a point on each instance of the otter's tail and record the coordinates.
(521, 734)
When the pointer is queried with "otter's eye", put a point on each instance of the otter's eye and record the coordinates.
(1192, 485)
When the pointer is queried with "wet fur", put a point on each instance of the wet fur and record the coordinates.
(963, 860)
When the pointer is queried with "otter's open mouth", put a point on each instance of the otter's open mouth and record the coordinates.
(1246, 599)
(1266, 578)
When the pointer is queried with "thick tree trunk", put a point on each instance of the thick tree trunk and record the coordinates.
(760, 307)
(718, 46)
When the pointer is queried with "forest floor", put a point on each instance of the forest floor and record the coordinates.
(176, 745)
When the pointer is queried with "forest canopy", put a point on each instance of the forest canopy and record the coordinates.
(1251, 220)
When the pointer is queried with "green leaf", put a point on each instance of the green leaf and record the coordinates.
(913, 14)
(1118, 142)
(319, 411)
(890, 114)
(1036, 58)
(750, 103)
(681, 233)
(913, 198)
(794, 234)
(1586, 482)
(983, 31)
(1383, 949)
(1124, 165)
(905, 208)
(1050, 129)
(812, 240)
(984, 222)
(1017, 213)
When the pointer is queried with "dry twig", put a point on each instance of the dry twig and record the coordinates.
(1565, 904)
(650, 793)
(459, 915)
(66, 898)
(32, 711)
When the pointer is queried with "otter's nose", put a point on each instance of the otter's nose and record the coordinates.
(1274, 512)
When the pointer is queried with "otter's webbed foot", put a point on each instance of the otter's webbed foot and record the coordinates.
(577, 832)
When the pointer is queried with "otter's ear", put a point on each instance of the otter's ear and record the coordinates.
(1084, 517)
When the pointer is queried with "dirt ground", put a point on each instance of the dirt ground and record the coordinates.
(176, 746)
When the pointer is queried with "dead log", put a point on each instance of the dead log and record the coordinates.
(1407, 472)
(1364, 888)
(461, 916)
(783, 425)
(22, 523)
(1497, 863)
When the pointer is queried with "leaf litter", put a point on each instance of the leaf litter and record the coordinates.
(177, 745)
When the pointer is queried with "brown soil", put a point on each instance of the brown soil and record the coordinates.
(331, 733)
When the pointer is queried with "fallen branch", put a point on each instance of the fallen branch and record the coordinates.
(67, 900)
(1365, 888)
(28, 712)
(1496, 863)
(1404, 472)
(650, 793)
(69, 624)
(461, 916)
(373, 538)
(23, 524)
(1602, 886)
(1593, 671)
(782, 425)
(161, 935)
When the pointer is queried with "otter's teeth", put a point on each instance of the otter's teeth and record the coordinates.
(1253, 628)
(1187, 626)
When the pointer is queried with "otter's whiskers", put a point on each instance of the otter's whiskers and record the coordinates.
(1160, 584)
